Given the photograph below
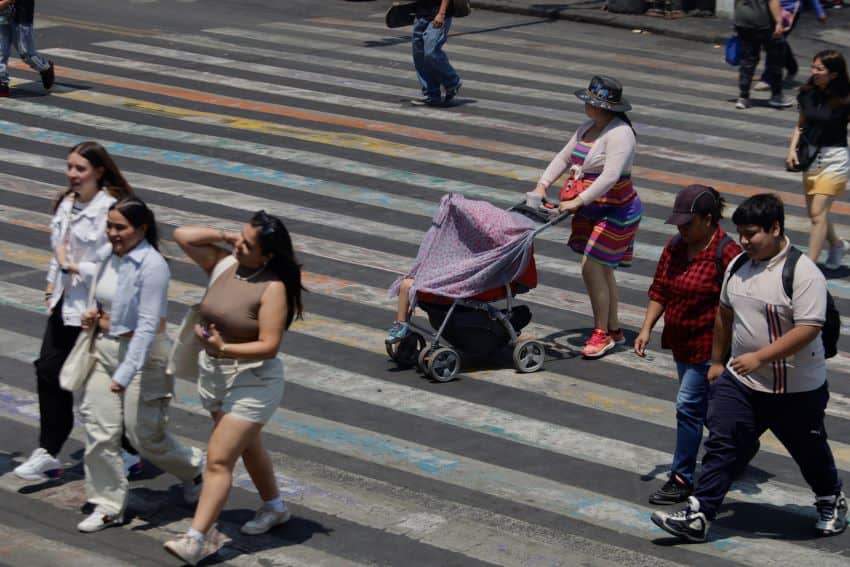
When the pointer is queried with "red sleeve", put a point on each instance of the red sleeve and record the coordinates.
(658, 289)
(731, 250)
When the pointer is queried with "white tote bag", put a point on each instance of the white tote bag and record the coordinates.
(75, 371)
(183, 359)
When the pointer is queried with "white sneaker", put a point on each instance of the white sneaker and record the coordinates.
(836, 255)
(188, 549)
(132, 464)
(192, 489)
(761, 86)
(743, 103)
(265, 519)
(780, 101)
(98, 521)
(40, 466)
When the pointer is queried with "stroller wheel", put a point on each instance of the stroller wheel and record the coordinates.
(443, 364)
(529, 356)
(406, 351)
(422, 360)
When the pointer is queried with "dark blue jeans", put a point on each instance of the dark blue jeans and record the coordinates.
(691, 404)
(432, 65)
(738, 415)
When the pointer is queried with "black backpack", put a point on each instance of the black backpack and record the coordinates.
(831, 329)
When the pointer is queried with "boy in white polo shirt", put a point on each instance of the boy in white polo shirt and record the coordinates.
(775, 378)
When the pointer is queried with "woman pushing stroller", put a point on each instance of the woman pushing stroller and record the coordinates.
(606, 208)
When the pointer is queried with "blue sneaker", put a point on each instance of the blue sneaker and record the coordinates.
(398, 331)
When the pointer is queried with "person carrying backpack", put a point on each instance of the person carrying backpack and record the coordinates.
(775, 378)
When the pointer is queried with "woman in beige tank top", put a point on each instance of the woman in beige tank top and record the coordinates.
(254, 296)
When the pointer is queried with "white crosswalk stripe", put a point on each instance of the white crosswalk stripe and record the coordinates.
(305, 119)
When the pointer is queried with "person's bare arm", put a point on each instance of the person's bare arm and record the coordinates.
(440, 18)
(202, 244)
(776, 12)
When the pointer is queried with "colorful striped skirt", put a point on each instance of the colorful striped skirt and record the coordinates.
(606, 233)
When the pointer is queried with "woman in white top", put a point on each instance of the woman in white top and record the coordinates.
(77, 232)
(127, 389)
(606, 208)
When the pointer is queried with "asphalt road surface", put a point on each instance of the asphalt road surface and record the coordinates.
(215, 109)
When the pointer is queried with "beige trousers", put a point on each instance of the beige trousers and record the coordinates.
(140, 411)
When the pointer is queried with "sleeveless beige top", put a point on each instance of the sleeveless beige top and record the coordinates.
(232, 304)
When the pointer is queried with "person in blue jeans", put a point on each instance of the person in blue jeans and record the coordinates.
(775, 378)
(686, 290)
(19, 32)
(430, 32)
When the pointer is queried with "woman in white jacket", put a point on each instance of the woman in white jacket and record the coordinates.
(77, 232)
(606, 208)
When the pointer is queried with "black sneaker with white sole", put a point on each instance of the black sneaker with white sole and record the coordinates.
(832, 514)
(675, 490)
(688, 524)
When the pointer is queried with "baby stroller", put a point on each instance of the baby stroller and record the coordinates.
(472, 263)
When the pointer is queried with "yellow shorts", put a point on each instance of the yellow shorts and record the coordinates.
(828, 173)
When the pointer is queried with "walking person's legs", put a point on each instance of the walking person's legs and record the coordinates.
(774, 48)
(734, 428)
(259, 465)
(437, 60)
(822, 230)
(55, 405)
(597, 278)
(429, 84)
(230, 437)
(750, 46)
(146, 402)
(691, 406)
(25, 46)
(5, 49)
(102, 411)
(806, 440)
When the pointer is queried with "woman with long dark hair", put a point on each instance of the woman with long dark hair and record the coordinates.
(606, 207)
(128, 389)
(253, 297)
(77, 234)
(822, 127)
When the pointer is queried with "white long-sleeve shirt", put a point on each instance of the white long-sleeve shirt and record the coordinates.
(611, 155)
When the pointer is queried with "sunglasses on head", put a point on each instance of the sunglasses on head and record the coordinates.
(268, 226)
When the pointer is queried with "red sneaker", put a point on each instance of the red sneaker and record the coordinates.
(617, 336)
(598, 344)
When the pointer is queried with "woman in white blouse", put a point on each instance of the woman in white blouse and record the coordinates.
(127, 389)
(77, 232)
(606, 208)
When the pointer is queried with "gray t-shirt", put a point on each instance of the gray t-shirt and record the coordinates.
(753, 14)
(763, 313)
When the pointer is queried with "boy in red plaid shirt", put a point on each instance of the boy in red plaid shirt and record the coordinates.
(686, 290)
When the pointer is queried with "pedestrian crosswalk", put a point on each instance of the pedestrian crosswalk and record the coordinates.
(308, 119)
